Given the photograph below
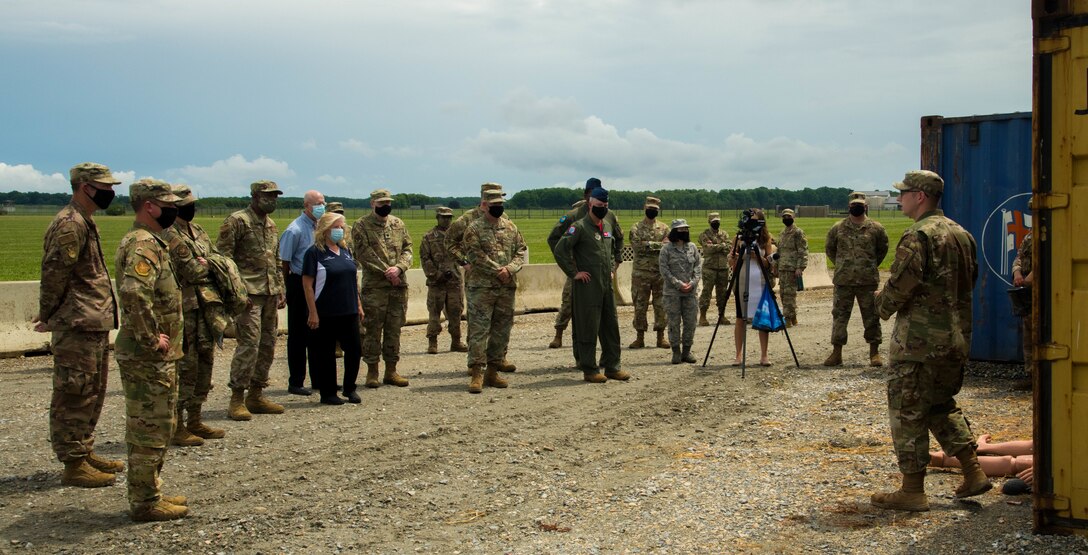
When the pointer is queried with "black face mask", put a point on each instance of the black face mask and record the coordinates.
(676, 236)
(715, 225)
(857, 209)
(383, 210)
(443, 223)
(787, 222)
(651, 213)
(496, 211)
(167, 217)
(102, 197)
(599, 211)
(187, 213)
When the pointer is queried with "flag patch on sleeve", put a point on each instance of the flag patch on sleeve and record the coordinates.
(570, 230)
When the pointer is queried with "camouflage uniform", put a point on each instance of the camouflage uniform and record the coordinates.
(716, 271)
(1022, 264)
(377, 246)
(681, 263)
(151, 304)
(792, 256)
(490, 247)
(253, 243)
(930, 292)
(647, 238)
(444, 284)
(575, 214)
(857, 251)
(77, 304)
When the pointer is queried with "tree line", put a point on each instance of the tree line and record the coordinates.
(543, 198)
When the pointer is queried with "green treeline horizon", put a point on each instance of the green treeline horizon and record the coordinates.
(543, 198)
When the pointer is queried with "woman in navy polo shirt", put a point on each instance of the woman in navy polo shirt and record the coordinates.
(332, 297)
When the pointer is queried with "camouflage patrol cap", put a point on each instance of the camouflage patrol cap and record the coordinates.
(489, 186)
(152, 189)
(380, 195)
(679, 224)
(713, 217)
(652, 201)
(858, 198)
(788, 212)
(494, 197)
(265, 187)
(185, 193)
(89, 171)
(443, 211)
(337, 207)
(922, 180)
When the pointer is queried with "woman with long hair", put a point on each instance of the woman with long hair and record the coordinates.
(750, 283)
(335, 310)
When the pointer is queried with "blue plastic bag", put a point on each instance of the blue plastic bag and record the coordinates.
(767, 317)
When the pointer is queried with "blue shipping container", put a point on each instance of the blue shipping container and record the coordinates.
(986, 165)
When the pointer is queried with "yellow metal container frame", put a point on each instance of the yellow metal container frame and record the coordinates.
(1060, 307)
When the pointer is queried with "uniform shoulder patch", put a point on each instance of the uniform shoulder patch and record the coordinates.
(142, 268)
(562, 219)
(182, 251)
(571, 230)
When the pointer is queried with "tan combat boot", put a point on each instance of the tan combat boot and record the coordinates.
(198, 428)
(492, 378)
(372, 375)
(456, 346)
(392, 377)
(910, 497)
(975, 481)
(179, 500)
(874, 355)
(662, 343)
(595, 377)
(507, 366)
(476, 385)
(182, 437)
(158, 511)
(81, 474)
(100, 464)
(835, 358)
(236, 410)
(702, 317)
(621, 375)
(558, 341)
(257, 403)
(640, 340)
(432, 345)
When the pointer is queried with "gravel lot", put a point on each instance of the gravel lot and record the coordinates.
(680, 459)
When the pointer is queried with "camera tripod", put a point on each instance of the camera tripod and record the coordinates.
(742, 257)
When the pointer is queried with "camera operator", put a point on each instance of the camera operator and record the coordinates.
(443, 284)
(751, 232)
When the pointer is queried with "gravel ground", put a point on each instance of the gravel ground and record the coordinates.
(680, 459)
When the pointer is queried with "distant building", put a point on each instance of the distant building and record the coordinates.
(878, 199)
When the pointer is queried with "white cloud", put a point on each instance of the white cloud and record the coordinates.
(308, 144)
(23, 177)
(231, 177)
(552, 136)
(360, 147)
(333, 179)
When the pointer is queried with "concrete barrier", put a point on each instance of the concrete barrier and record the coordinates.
(539, 289)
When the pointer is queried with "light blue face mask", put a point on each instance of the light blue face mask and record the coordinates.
(337, 235)
(318, 211)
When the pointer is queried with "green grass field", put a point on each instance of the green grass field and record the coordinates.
(21, 236)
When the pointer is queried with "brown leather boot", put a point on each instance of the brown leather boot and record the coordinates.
(476, 385)
(101, 464)
(257, 403)
(432, 345)
(198, 428)
(662, 343)
(594, 377)
(558, 341)
(621, 375)
(507, 366)
(81, 474)
(975, 481)
(835, 358)
(640, 340)
(392, 377)
(702, 318)
(182, 437)
(179, 500)
(236, 410)
(910, 497)
(874, 355)
(372, 375)
(492, 378)
(158, 511)
(456, 346)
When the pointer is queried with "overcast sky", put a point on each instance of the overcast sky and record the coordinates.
(438, 96)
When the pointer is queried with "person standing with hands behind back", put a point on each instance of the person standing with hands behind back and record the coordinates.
(334, 309)
(681, 267)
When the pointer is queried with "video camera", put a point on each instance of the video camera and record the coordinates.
(750, 227)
